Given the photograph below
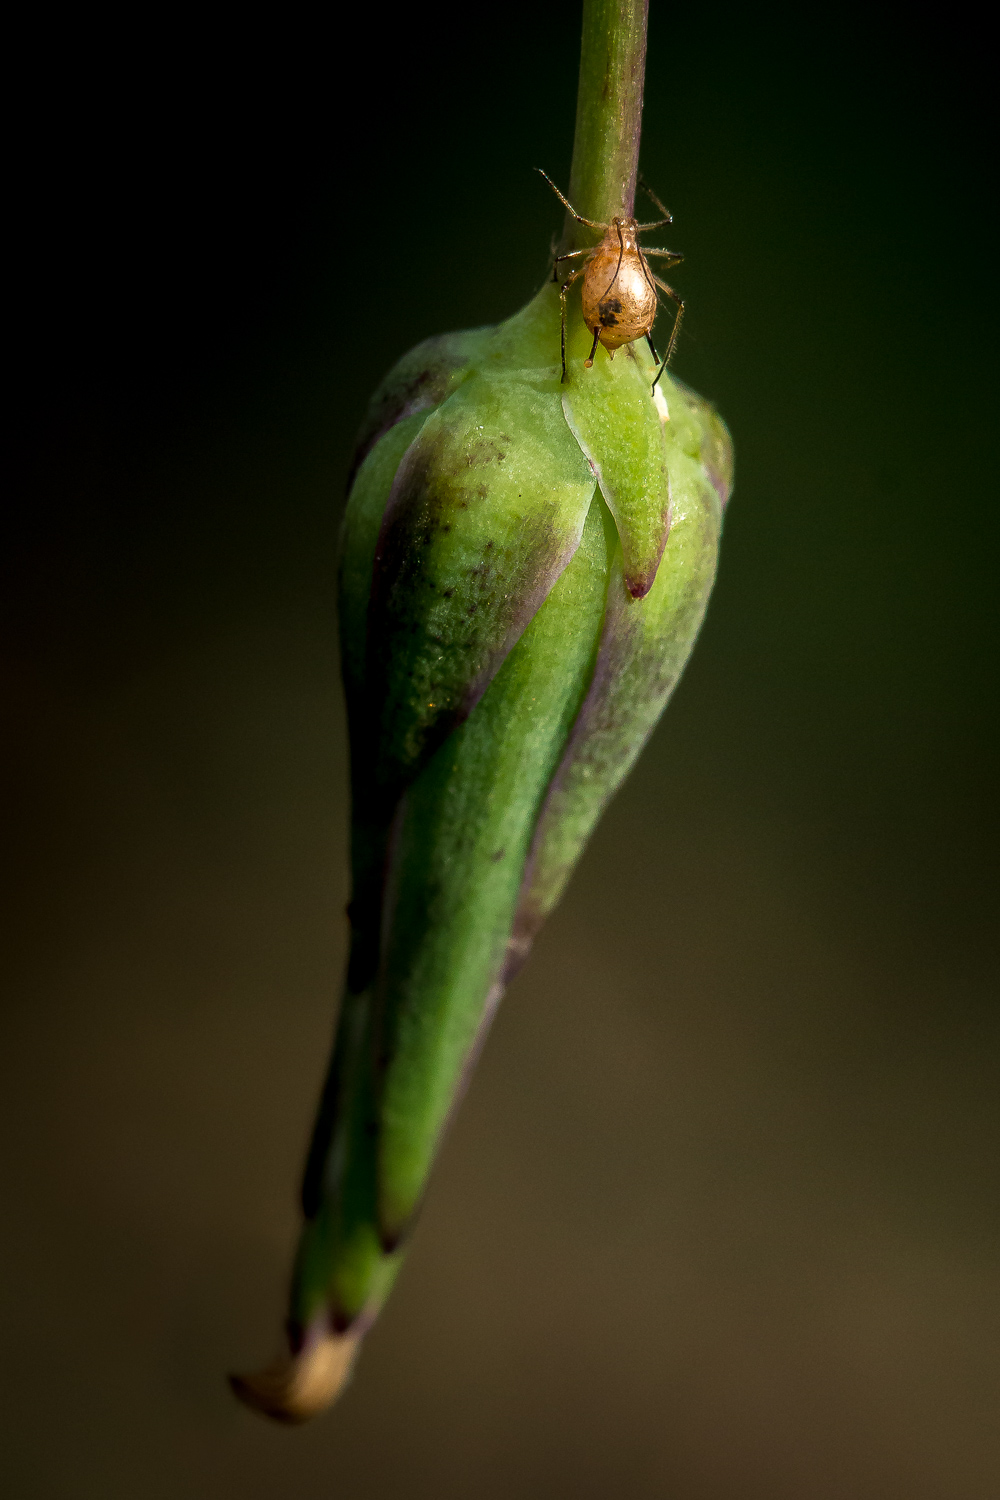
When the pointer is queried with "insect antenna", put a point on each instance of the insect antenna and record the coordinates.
(621, 252)
(579, 217)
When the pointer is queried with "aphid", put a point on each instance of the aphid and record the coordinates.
(619, 289)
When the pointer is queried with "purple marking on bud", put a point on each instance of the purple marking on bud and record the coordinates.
(722, 484)
(716, 444)
(596, 721)
(421, 380)
(638, 664)
(436, 641)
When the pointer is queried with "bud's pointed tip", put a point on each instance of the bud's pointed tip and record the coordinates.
(298, 1386)
(639, 587)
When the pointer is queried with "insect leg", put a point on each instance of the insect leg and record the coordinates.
(588, 363)
(562, 322)
(676, 328)
(670, 255)
(652, 348)
(579, 217)
(667, 217)
(570, 255)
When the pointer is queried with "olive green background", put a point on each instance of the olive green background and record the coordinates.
(718, 1220)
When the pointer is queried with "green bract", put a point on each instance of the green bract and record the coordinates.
(525, 567)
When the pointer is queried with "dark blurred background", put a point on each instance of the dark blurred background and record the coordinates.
(718, 1220)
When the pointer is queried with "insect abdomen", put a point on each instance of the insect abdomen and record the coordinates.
(622, 306)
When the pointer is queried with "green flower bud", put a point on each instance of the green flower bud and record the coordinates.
(525, 567)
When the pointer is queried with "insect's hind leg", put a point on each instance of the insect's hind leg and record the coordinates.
(570, 255)
(562, 322)
(676, 328)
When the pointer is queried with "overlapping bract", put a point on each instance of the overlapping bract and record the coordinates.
(525, 567)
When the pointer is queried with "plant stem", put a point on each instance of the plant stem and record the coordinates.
(608, 115)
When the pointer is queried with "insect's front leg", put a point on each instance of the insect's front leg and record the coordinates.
(676, 328)
(670, 255)
(562, 328)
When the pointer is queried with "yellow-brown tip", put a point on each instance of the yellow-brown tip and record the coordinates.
(588, 364)
(297, 1386)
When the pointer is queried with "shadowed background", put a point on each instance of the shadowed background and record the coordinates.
(718, 1219)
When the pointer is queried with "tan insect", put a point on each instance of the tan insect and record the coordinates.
(619, 289)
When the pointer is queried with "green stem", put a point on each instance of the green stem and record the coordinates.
(608, 114)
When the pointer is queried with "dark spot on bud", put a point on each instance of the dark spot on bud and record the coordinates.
(498, 855)
(447, 593)
(296, 1335)
(390, 1239)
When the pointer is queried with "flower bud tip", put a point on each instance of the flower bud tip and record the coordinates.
(298, 1386)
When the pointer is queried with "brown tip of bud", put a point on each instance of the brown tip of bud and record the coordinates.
(297, 1386)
